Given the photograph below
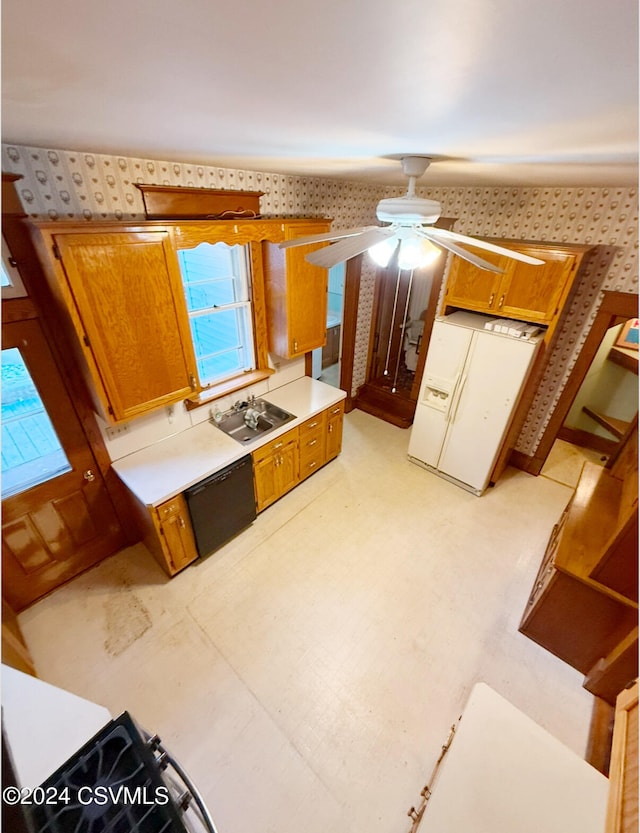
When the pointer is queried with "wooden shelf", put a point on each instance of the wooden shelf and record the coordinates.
(615, 426)
(584, 603)
(625, 358)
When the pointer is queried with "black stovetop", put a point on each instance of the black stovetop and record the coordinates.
(113, 784)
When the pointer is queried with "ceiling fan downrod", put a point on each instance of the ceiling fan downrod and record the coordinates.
(414, 167)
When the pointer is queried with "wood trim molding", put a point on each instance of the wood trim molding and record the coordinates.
(349, 324)
(348, 335)
(614, 305)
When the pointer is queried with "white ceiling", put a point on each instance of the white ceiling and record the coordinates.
(521, 92)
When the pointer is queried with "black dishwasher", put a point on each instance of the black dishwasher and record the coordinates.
(222, 505)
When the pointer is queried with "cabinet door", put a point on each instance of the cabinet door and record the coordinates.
(275, 474)
(175, 526)
(287, 468)
(306, 295)
(130, 317)
(534, 293)
(296, 295)
(335, 419)
(264, 474)
(473, 288)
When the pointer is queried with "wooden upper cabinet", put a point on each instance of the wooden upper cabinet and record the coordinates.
(522, 291)
(121, 290)
(296, 294)
(473, 288)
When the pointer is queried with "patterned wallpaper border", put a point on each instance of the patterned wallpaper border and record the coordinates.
(67, 184)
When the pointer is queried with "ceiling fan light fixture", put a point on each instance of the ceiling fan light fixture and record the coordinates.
(382, 252)
(416, 253)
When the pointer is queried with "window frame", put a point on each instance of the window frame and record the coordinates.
(242, 280)
(15, 288)
(188, 237)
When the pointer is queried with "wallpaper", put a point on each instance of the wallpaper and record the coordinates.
(65, 184)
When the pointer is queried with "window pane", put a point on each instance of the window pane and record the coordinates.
(31, 451)
(209, 294)
(216, 286)
(222, 344)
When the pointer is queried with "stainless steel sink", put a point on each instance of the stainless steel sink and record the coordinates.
(247, 421)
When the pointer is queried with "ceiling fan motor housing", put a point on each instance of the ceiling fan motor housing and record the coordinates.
(408, 210)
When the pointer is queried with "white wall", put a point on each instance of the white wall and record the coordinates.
(163, 423)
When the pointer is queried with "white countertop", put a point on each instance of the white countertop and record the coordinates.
(166, 468)
(44, 725)
(505, 773)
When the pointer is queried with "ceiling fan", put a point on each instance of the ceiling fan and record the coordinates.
(411, 220)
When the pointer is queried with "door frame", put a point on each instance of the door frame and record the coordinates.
(351, 298)
(614, 305)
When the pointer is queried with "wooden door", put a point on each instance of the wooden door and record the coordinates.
(54, 530)
(392, 287)
(133, 320)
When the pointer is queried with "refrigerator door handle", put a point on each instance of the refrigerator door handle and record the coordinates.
(451, 417)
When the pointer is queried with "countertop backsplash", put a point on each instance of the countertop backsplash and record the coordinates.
(174, 419)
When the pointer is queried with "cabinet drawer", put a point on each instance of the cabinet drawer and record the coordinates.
(312, 452)
(334, 410)
(312, 426)
(542, 580)
(170, 508)
(274, 446)
(312, 441)
(310, 463)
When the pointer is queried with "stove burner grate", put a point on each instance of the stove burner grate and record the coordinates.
(111, 785)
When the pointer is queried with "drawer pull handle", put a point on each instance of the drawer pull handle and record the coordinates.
(312, 425)
(277, 445)
(312, 442)
(312, 465)
(335, 411)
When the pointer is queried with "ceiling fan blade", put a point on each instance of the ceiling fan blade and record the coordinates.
(437, 240)
(483, 244)
(321, 238)
(350, 247)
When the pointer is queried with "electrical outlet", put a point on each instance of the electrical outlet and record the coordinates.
(114, 431)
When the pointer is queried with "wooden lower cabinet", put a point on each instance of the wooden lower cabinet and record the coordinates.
(278, 466)
(176, 533)
(166, 532)
(312, 444)
(335, 420)
(282, 464)
(584, 603)
(622, 806)
(275, 469)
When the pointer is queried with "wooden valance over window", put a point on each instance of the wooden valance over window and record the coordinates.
(162, 202)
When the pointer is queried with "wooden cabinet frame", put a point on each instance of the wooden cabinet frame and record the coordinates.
(527, 293)
(71, 256)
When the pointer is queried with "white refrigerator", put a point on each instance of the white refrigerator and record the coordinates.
(473, 378)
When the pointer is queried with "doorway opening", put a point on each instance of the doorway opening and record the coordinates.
(599, 406)
(326, 361)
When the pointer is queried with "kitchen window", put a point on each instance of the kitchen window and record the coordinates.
(217, 285)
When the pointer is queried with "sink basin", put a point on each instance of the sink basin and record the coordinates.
(252, 420)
